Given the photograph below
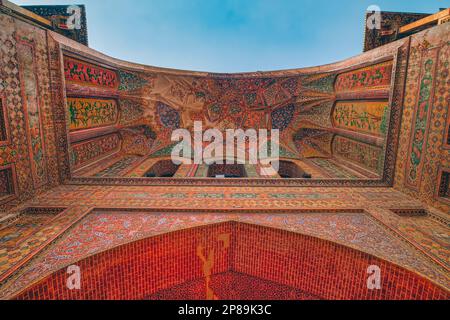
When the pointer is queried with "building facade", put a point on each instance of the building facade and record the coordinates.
(87, 180)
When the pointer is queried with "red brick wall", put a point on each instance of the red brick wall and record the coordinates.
(297, 263)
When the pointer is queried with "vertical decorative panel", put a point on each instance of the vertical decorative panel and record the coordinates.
(31, 101)
(421, 119)
(4, 134)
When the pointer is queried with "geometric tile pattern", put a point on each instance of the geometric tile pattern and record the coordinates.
(422, 153)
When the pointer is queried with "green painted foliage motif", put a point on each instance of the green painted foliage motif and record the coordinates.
(421, 121)
(91, 113)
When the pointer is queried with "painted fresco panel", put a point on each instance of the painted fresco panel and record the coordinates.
(88, 113)
(130, 112)
(369, 117)
(360, 153)
(86, 152)
(76, 71)
(372, 77)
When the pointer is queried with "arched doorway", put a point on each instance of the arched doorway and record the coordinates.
(234, 260)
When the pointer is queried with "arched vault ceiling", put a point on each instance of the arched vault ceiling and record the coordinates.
(291, 103)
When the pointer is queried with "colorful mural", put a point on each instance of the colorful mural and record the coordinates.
(91, 150)
(166, 103)
(130, 112)
(149, 104)
(88, 113)
(366, 155)
(313, 142)
(168, 116)
(130, 81)
(373, 77)
(138, 140)
(362, 116)
(430, 150)
(282, 117)
(88, 74)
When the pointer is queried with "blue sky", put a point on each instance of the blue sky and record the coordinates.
(233, 35)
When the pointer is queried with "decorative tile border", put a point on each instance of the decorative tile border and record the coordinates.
(46, 235)
(421, 121)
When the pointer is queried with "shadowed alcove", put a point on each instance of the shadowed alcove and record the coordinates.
(162, 169)
(290, 170)
(226, 171)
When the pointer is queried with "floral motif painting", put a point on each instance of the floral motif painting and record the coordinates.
(88, 113)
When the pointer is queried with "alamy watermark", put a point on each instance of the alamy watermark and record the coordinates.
(74, 20)
(374, 279)
(374, 20)
(74, 280)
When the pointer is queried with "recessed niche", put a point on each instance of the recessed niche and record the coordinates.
(6, 183)
(448, 134)
(444, 185)
(162, 169)
(290, 170)
(3, 122)
(226, 171)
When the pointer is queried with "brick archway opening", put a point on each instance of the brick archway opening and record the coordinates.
(234, 260)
